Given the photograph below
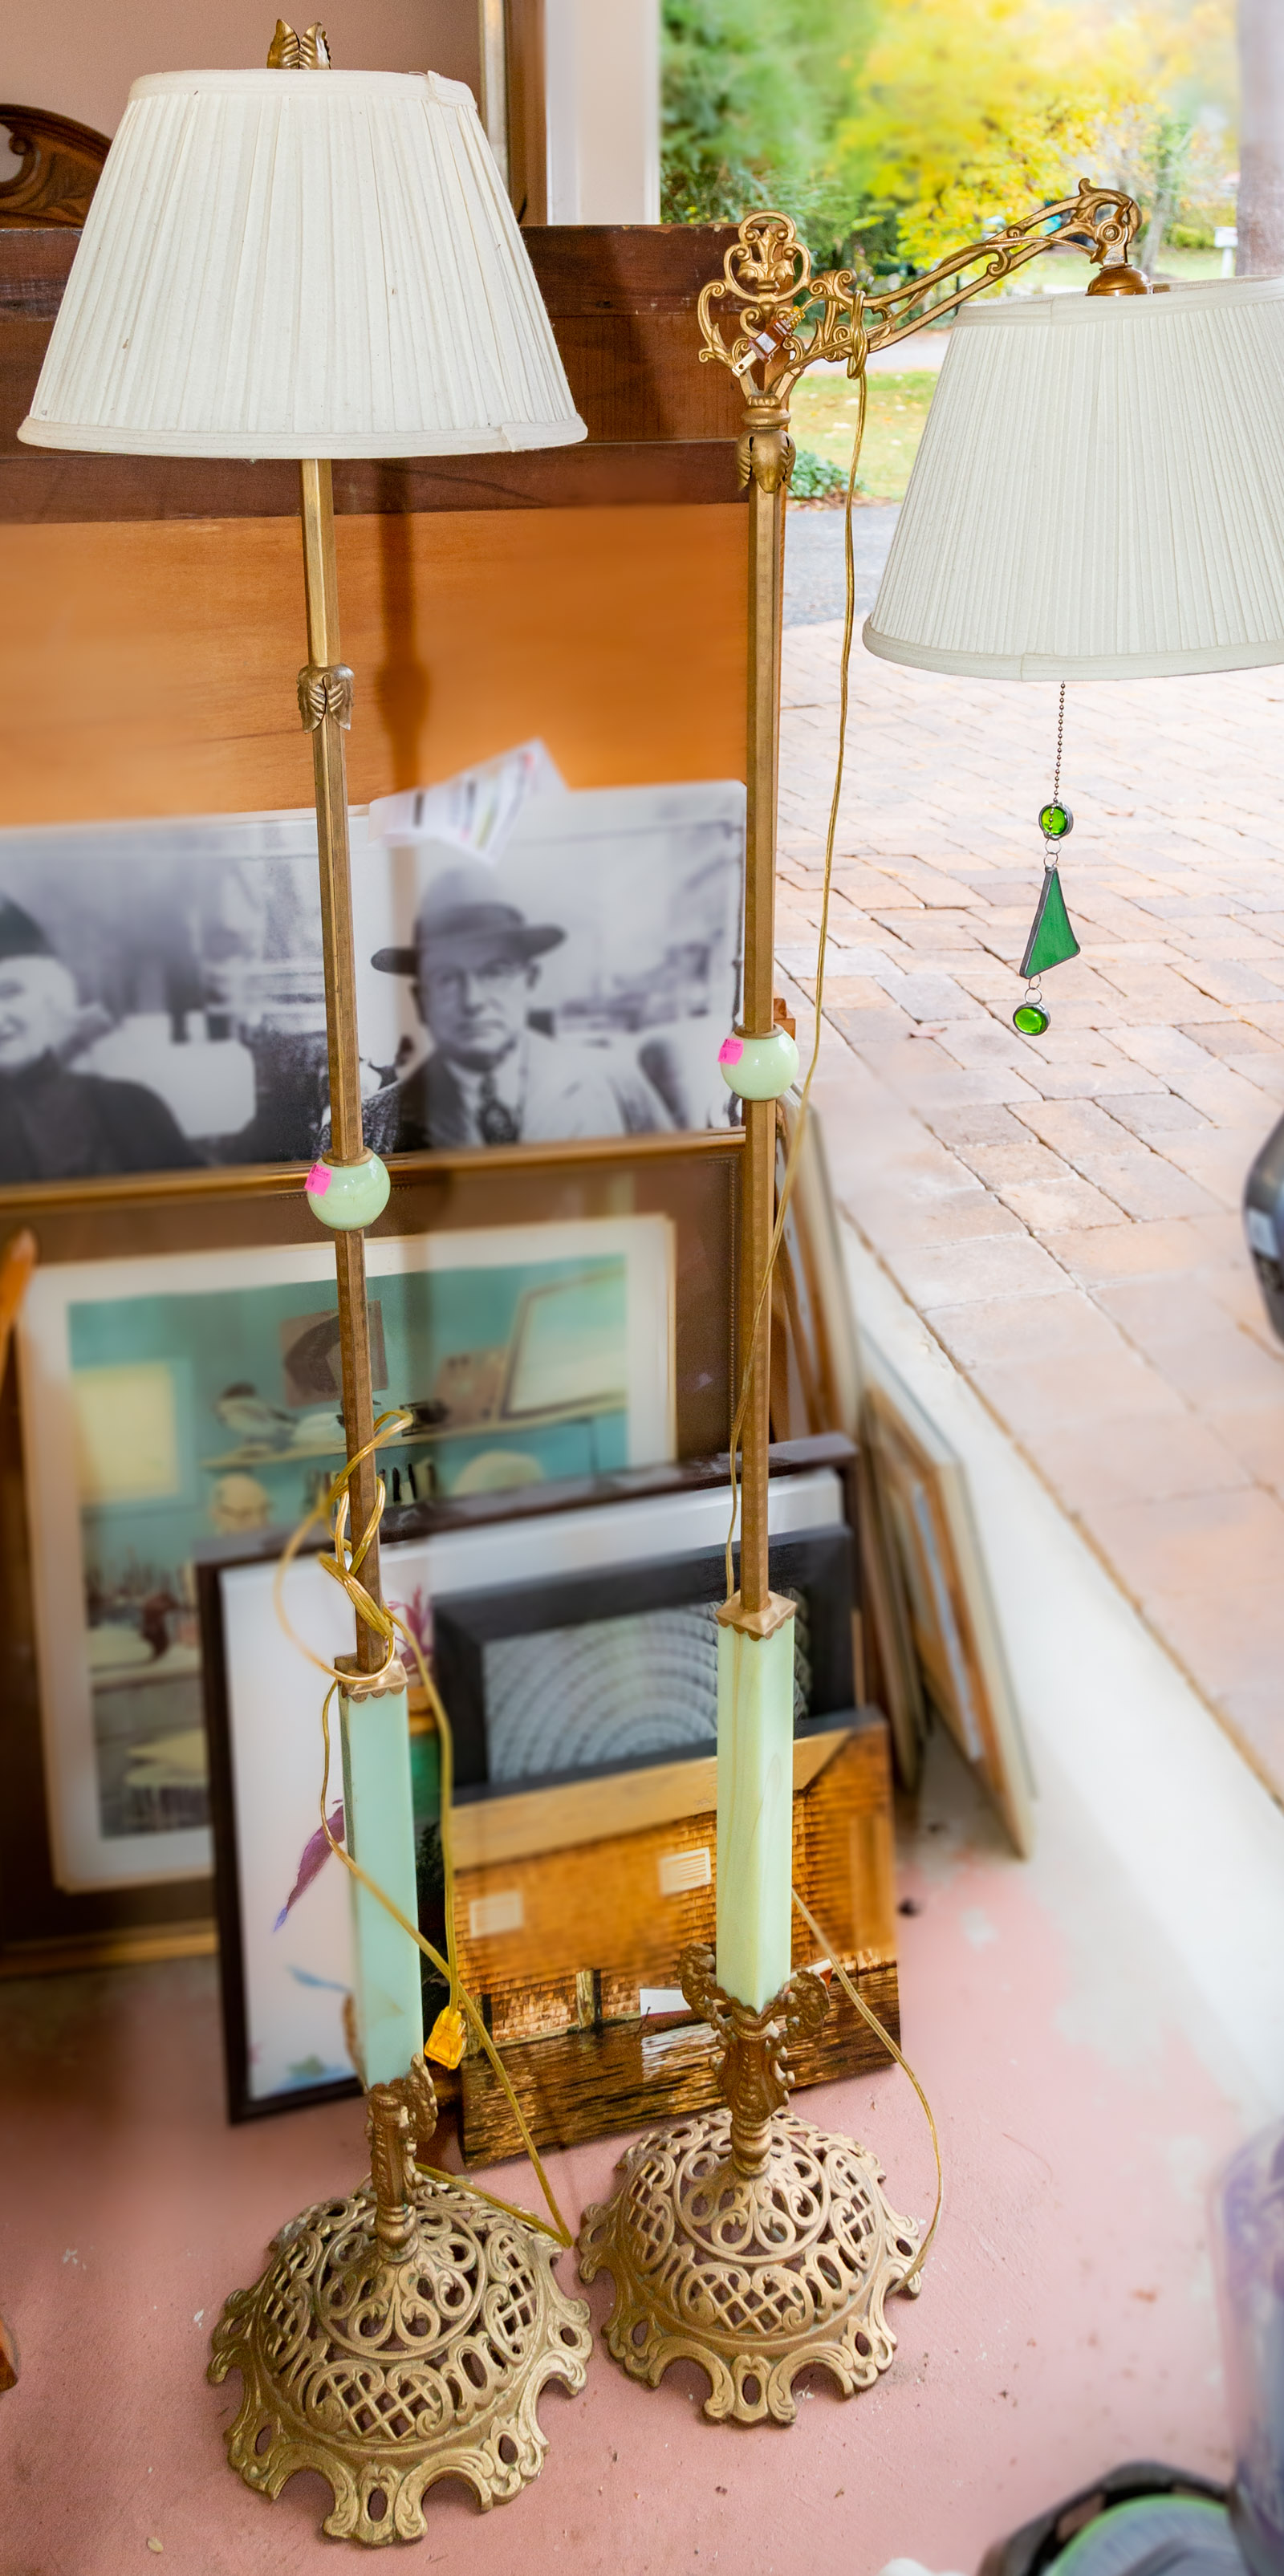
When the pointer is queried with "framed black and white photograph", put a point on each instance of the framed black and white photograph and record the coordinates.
(580, 984)
(162, 1002)
(286, 1959)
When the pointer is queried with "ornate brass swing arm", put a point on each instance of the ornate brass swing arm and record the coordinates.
(768, 319)
(783, 319)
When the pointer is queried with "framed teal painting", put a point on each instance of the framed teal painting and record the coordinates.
(173, 1399)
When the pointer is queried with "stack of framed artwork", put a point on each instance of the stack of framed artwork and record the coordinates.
(552, 1317)
(571, 1626)
(174, 1366)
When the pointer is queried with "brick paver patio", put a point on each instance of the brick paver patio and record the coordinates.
(1064, 1212)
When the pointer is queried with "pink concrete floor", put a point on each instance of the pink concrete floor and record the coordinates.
(1064, 1212)
(1065, 2323)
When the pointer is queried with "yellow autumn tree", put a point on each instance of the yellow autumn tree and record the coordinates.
(968, 111)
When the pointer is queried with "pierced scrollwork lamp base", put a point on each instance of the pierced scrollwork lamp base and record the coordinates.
(746, 2240)
(399, 2336)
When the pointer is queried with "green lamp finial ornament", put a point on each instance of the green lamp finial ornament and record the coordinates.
(1051, 941)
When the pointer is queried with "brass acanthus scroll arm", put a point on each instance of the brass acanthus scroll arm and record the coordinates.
(768, 319)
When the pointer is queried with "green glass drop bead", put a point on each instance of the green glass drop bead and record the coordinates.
(1055, 821)
(1030, 1018)
(1051, 939)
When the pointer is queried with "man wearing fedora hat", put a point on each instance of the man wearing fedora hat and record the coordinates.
(492, 1078)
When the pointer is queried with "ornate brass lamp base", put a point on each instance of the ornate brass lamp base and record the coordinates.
(397, 2337)
(745, 2239)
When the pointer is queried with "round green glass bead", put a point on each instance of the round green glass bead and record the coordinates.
(346, 1195)
(1055, 821)
(759, 1068)
(1030, 1018)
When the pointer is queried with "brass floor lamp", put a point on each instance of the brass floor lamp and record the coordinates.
(1100, 493)
(312, 264)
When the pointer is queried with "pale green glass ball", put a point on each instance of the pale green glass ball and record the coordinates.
(346, 1195)
(759, 1068)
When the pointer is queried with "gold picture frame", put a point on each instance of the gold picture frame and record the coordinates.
(953, 1626)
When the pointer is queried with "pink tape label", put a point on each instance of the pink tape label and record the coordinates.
(318, 1181)
(731, 1050)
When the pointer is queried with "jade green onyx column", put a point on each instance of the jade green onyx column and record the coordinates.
(755, 1810)
(380, 1834)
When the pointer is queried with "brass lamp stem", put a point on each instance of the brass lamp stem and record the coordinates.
(766, 453)
(325, 703)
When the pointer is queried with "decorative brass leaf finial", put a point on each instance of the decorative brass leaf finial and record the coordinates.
(399, 2118)
(325, 689)
(754, 2073)
(288, 52)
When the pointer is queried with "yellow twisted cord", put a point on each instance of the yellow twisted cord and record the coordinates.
(791, 1162)
(344, 1566)
(889, 2043)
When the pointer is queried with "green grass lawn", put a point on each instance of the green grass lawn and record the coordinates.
(824, 419)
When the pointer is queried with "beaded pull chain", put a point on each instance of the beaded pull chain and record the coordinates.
(1051, 941)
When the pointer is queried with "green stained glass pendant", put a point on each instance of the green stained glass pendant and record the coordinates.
(1051, 941)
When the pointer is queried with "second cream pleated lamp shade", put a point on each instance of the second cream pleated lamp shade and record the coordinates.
(295, 264)
(1099, 492)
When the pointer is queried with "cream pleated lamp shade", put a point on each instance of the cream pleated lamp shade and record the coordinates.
(301, 263)
(1099, 492)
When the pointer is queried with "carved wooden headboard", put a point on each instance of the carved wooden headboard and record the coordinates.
(59, 166)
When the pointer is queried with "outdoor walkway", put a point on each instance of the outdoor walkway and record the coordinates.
(1064, 1213)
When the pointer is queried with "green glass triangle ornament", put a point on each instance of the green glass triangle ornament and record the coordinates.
(1051, 939)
